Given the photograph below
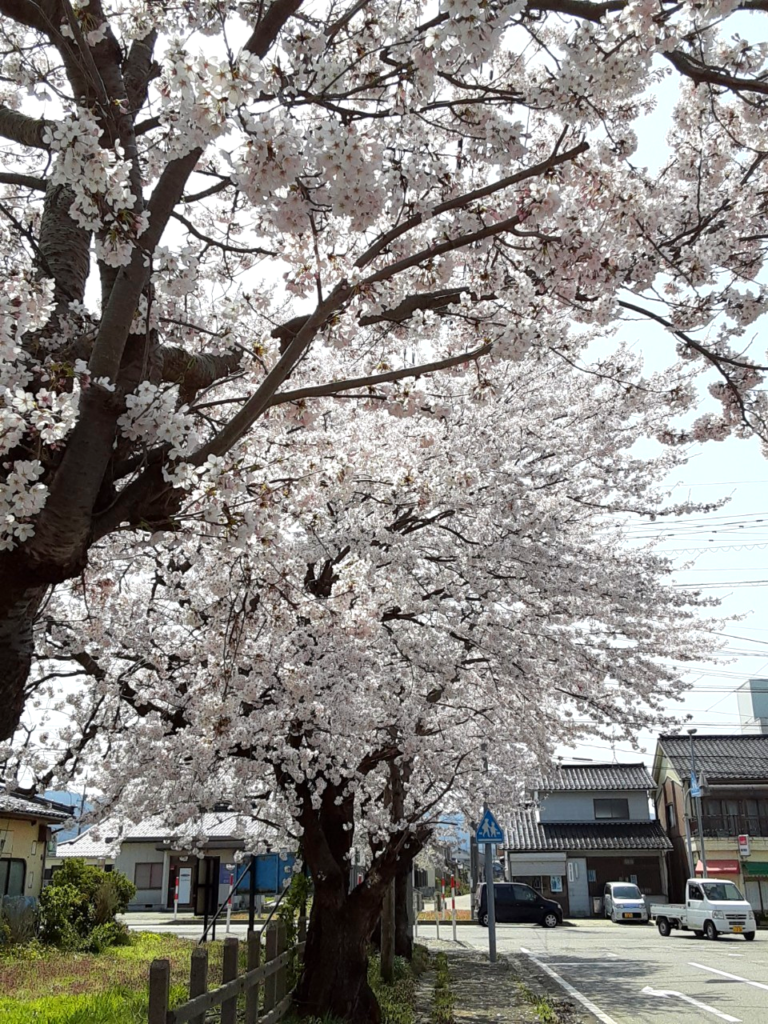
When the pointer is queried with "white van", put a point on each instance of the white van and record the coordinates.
(623, 901)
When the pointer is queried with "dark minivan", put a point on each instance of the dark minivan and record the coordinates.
(519, 904)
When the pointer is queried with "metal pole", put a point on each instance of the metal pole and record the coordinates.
(491, 902)
(453, 905)
(252, 894)
(698, 807)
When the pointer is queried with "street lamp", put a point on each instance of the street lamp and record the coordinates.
(697, 796)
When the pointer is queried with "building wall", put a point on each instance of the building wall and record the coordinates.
(25, 839)
(580, 806)
(129, 856)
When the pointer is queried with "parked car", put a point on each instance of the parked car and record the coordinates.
(623, 901)
(712, 907)
(517, 903)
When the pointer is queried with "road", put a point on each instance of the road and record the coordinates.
(629, 974)
(186, 927)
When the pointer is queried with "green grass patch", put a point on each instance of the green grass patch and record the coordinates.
(443, 1000)
(40, 985)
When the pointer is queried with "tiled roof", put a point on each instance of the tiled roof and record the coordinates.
(598, 776)
(723, 758)
(529, 835)
(34, 807)
(103, 840)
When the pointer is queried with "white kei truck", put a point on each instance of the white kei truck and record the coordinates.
(712, 907)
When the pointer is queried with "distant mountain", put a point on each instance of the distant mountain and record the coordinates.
(73, 800)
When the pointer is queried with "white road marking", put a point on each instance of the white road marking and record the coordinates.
(587, 1003)
(725, 974)
(613, 956)
(666, 993)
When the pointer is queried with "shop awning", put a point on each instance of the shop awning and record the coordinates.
(756, 867)
(719, 867)
(530, 864)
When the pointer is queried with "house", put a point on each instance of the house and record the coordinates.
(202, 855)
(588, 825)
(26, 834)
(733, 769)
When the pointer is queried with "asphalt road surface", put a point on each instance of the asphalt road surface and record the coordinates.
(629, 974)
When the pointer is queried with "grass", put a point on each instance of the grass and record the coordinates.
(45, 986)
(443, 999)
(542, 1005)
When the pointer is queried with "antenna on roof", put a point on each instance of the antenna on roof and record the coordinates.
(614, 759)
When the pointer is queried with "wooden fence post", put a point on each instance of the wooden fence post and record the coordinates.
(198, 978)
(229, 973)
(269, 954)
(252, 995)
(159, 984)
(282, 974)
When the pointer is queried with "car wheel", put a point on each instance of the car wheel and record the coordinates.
(710, 932)
(484, 920)
(663, 925)
(549, 920)
(749, 936)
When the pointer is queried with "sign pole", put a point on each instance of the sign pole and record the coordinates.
(437, 913)
(176, 898)
(453, 905)
(491, 902)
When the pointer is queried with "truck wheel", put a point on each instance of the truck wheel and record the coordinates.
(749, 936)
(710, 932)
(663, 925)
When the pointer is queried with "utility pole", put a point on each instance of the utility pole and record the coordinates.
(697, 798)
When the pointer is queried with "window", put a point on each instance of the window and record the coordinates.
(12, 877)
(148, 876)
(695, 893)
(616, 808)
(671, 817)
(524, 895)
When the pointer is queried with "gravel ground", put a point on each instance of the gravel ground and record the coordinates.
(489, 993)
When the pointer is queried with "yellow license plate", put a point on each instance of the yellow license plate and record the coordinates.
(629, 915)
(737, 928)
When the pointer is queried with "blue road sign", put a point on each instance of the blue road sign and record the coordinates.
(489, 830)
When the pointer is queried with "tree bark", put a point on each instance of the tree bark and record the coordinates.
(18, 610)
(403, 913)
(334, 978)
(388, 935)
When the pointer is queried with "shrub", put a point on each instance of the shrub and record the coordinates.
(18, 920)
(78, 908)
(64, 916)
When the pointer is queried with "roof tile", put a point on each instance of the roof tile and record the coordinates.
(598, 776)
(738, 757)
(529, 835)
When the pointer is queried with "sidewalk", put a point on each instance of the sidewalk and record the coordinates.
(487, 993)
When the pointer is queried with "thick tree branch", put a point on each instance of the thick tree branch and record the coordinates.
(26, 131)
(23, 180)
(266, 31)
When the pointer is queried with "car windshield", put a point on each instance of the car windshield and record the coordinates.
(721, 891)
(626, 892)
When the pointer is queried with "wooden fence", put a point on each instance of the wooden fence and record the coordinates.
(271, 975)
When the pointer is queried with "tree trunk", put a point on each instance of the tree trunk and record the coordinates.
(388, 935)
(334, 978)
(18, 610)
(403, 913)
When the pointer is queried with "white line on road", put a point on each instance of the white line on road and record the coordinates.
(725, 974)
(666, 993)
(571, 990)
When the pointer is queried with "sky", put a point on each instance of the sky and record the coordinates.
(725, 552)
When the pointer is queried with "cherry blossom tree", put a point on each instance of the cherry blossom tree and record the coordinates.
(331, 653)
(214, 213)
